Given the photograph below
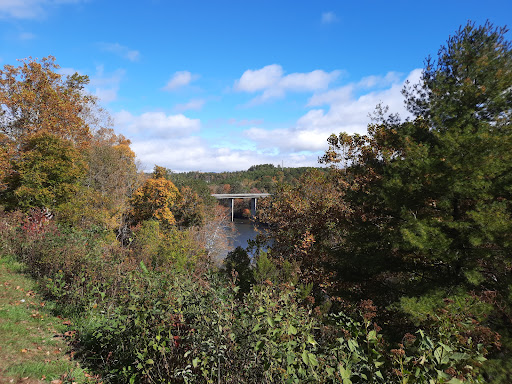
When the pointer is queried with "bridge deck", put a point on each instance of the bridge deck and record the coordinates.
(239, 195)
(253, 196)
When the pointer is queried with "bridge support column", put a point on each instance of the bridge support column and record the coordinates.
(232, 209)
(254, 201)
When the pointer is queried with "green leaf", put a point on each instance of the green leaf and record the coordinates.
(259, 345)
(305, 357)
(143, 267)
(292, 330)
(312, 360)
(150, 361)
(457, 356)
(438, 354)
(344, 373)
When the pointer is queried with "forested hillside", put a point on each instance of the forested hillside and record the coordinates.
(391, 263)
(262, 178)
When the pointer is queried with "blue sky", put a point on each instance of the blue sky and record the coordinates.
(218, 85)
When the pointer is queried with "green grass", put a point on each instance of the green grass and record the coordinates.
(32, 346)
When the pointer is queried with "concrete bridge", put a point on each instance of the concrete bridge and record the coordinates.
(232, 196)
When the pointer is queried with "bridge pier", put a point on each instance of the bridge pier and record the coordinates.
(253, 206)
(232, 196)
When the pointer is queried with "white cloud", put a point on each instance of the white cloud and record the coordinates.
(329, 17)
(180, 79)
(259, 79)
(175, 142)
(120, 50)
(193, 153)
(29, 9)
(106, 86)
(380, 81)
(156, 124)
(346, 112)
(194, 104)
(274, 84)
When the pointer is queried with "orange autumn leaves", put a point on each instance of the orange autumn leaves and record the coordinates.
(155, 199)
(36, 100)
(57, 150)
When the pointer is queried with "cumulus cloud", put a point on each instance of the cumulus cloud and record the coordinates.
(191, 153)
(120, 50)
(273, 83)
(194, 104)
(175, 142)
(345, 112)
(379, 81)
(329, 17)
(259, 79)
(156, 125)
(195, 154)
(29, 9)
(180, 79)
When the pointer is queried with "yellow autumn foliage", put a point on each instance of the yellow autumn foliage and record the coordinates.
(155, 199)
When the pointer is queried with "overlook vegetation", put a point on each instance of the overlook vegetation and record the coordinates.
(390, 265)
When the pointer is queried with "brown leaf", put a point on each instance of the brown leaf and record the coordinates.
(69, 333)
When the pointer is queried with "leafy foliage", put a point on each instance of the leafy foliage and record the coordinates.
(155, 199)
(47, 174)
(424, 207)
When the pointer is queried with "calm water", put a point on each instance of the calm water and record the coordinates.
(243, 231)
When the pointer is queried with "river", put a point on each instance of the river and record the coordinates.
(242, 231)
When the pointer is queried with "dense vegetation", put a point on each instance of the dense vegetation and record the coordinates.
(391, 266)
(417, 213)
(263, 178)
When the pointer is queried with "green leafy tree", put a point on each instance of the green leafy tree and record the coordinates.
(47, 175)
(425, 206)
(431, 197)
